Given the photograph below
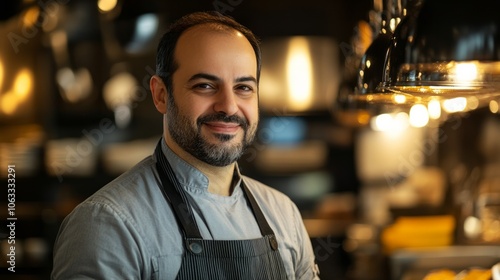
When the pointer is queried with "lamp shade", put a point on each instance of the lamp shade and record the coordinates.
(446, 49)
(356, 107)
(372, 64)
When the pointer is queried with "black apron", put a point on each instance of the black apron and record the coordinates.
(257, 259)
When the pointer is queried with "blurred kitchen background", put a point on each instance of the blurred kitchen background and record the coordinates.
(380, 187)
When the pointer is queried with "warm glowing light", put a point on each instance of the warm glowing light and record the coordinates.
(398, 98)
(8, 103)
(368, 63)
(493, 106)
(299, 73)
(363, 118)
(434, 109)
(381, 122)
(472, 103)
(23, 84)
(419, 117)
(455, 105)
(390, 122)
(74, 86)
(401, 121)
(1, 75)
(58, 40)
(472, 227)
(393, 23)
(466, 72)
(30, 17)
(106, 5)
(119, 90)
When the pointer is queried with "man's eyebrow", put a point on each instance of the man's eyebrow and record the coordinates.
(214, 78)
(246, 79)
(204, 76)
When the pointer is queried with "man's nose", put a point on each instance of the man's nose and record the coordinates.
(226, 102)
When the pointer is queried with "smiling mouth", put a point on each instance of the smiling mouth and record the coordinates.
(223, 127)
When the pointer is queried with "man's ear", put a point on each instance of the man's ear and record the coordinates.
(159, 93)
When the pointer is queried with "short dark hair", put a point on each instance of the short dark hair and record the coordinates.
(165, 62)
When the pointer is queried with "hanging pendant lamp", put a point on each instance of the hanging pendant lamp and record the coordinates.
(446, 49)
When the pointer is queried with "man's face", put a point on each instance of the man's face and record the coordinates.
(214, 111)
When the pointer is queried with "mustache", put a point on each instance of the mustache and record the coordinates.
(243, 122)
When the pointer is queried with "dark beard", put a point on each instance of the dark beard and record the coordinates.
(190, 139)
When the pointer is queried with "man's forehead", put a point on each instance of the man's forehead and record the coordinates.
(200, 37)
(210, 28)
(202, 47)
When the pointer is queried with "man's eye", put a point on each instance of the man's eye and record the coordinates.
(245, 88)
(203, 86)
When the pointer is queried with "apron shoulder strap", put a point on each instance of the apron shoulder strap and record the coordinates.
(265, 229)
(172, 192)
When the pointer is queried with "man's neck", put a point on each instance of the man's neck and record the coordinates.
(220, 178)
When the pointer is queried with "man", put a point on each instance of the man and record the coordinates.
(186, 212)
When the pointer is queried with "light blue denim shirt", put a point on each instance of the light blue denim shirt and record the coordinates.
(126, 230)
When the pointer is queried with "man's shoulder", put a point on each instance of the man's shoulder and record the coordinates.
(133, 184)
(123, 199)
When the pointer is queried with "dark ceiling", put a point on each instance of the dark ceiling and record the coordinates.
(335, 18)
